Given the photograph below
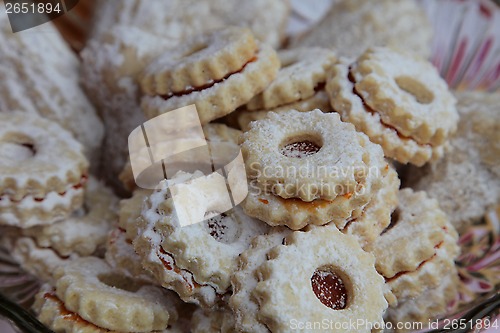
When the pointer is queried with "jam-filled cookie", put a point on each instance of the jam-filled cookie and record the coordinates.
(309, 168)
(418, 248)
(85, 231)
(90, 289)
(333, 279)
(398, 100)
(218, 72)
(352, 109)
(207, 252)
(43, 171)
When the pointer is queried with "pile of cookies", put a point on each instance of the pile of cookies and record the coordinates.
(324, 241)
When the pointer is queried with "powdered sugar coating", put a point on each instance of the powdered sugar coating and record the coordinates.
(57, 158)
(31, 211)
(223, 97)
(346, 162)
(408, 94)
(430, 273)
(284, 290)
(302, 71)
(351, 26)
(244, 280)
(398, 249)
(209, 249)
(199, 61)
(120, 255)
(111, 64)
(212, 321)
(352, 109)
(39, 74)
(47, 178)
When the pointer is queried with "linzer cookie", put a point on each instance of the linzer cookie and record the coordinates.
(244, 280)
(408, 93)
(300, 173)
(90, 289)
(352, 108)
(205, 251)
(85, 231)
(242, 72)
(333, 279)
(302, 74)
(430, 273)
(42, 171)
(416, 215)
(200, 61)
(418, 248)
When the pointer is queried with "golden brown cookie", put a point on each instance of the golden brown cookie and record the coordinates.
(219, 96)
(353, 109)
(300, 173)
(43, 171)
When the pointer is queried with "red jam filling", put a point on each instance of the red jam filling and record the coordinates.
(300, 149)
(208, 85)
(329, 289)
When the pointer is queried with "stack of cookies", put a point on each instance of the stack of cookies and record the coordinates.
(325, 240)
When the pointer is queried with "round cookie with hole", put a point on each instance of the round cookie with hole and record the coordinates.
(206, 252)
(218, 72)
(397, 99)
(309, 168)
(43, 171)
(332, 280)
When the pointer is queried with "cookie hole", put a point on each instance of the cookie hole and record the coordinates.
(330, 288)
(416, 89)
(119, 281)
(195, 49)
(17, 148)
(222, 228)
(301, 147)
(394, 220)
